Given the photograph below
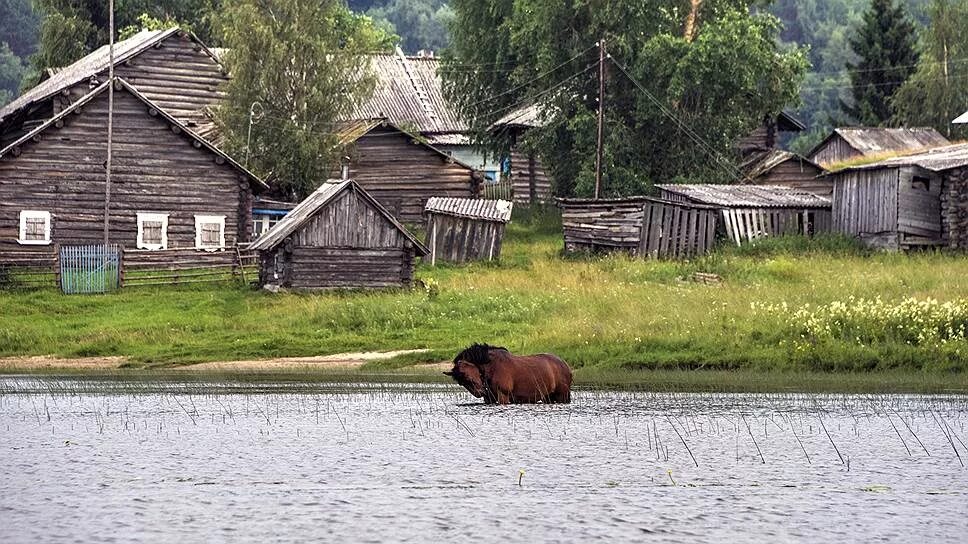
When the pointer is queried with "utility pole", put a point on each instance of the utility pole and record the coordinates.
(601, 114)
(107, 179)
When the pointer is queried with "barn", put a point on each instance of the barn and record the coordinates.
(401, 169)
(787, 169)
(904, 202)
(465, 229)
(753, 211)
(857, 142)
(338, 237)
(171, 189)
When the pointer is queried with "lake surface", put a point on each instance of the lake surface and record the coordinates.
(88, 461)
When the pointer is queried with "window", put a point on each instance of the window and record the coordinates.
(921, 183)
(261, 224)
(209, 232)
(152, 230)
(34, 227)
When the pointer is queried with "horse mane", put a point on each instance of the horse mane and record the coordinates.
(477, 354)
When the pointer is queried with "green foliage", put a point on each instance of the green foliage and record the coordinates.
(885, 46)
(721, 84)
(421, 24)
(12, 71)
(938, 90)
(147, 22)
(298, 65)
(18, 26)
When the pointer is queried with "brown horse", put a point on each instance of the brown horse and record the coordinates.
(502, 378)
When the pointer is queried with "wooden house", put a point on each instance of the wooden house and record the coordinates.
(767, 134)
(465, 229)
(338, 237)
(854, 142)
(530, 181)
(172, 68)
(643, 226)
(401, 169)
(171, 189)
(267, 212)
(909, 201)
(785, 168)
(752, 211)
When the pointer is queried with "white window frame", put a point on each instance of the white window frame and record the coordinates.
(34, 214)
(220, 220)
(152, 216)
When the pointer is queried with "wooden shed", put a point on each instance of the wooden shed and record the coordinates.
(911, 201)
(753, 211)
(854, 142)
(338, 237)
(530, 181)
(401, 169)
(643, 226)
(767, 134)
(171, 189)
(466, 229)
(785, 168)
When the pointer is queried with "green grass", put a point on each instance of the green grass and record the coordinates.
(601, 313)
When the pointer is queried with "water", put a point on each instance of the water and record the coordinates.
(88, 461)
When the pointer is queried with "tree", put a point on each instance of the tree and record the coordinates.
(11, 73)
(691, 90)
(300, 66)
(885, 46)
(938, 90)
(422, 24)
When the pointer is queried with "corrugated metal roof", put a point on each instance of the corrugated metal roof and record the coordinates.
(409, 92)
(871, 141)
(89, 65)
(936, 160)
(761, 163)
(748, 196)
(474, 208)
(319, 198)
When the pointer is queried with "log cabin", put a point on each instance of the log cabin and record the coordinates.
(338, 237)
(172, 68)
(170, 188)
(851, 143)
(779, 167)
(401, 169)
(767, 134)
(465, 229)
(530, 181)
(918, 200)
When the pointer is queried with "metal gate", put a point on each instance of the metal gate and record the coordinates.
(89, 269)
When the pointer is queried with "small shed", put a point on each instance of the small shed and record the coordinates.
(854, 142)
(466, 229)
(754, 211)
(779, 167)
(530, 181)
(338, 237)
(911, 201)
(639, 225)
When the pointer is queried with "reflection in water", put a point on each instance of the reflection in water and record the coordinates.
(90, 461)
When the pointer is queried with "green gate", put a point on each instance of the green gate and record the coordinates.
(90, 269)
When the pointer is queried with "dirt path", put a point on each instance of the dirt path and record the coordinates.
(339, 360)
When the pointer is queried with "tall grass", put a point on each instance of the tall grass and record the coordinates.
(603, 312)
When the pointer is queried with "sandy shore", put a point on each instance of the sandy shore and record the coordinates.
(338, 360)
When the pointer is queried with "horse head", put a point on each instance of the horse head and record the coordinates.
(469, 376)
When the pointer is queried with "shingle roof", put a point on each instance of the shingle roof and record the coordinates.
(748, 196)
(409, 91)
(936, 160)
(89, 65)
(473, 208)
(871, 140)
(761, 163)
(162, 113)
(305, 210)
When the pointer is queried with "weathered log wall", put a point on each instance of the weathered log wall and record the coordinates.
(954, 208)
(154, 169)
(403, 174)
(836, 149)
(798, 174)
(462, 239)
(530, 182)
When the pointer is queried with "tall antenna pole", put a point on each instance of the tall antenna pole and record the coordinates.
(601, 115)
(107, 180)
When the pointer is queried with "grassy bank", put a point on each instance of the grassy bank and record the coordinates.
(788, 305)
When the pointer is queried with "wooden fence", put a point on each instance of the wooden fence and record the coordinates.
(89, 269)
(748, 224)
(501, 190)
(648, 227)
(40, 269)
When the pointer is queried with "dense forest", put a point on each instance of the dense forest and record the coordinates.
(825, 26)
